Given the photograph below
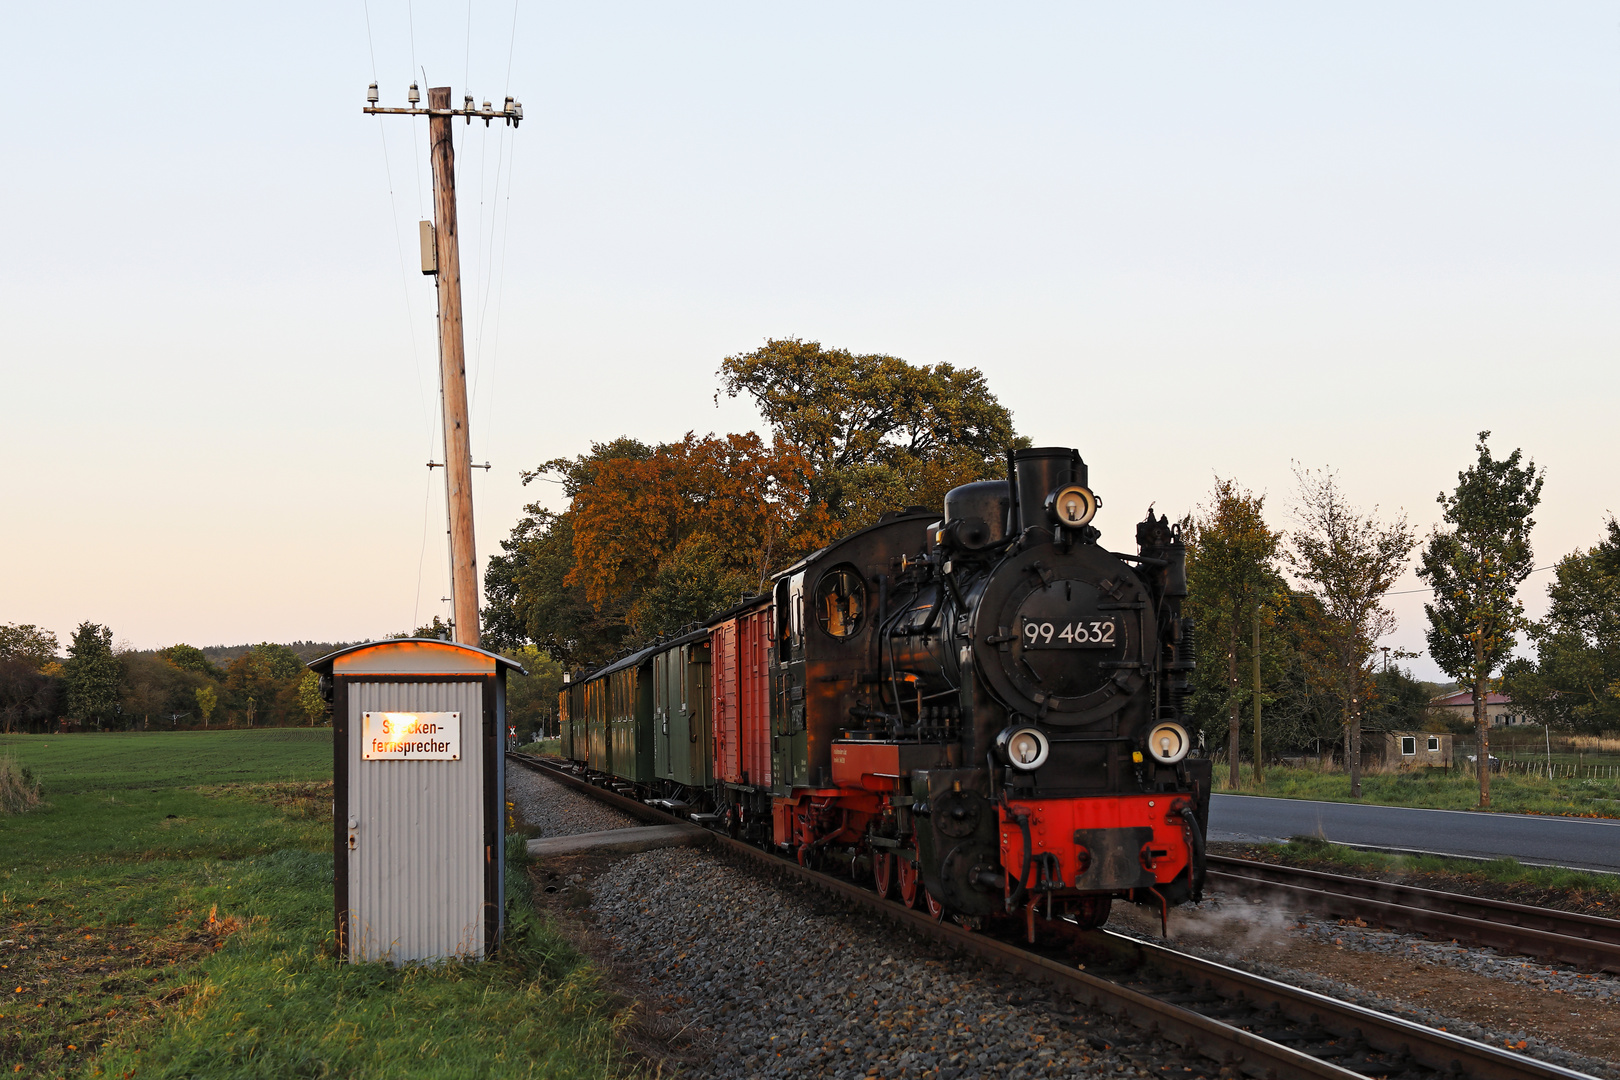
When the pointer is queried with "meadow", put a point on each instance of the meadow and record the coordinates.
(167, 913)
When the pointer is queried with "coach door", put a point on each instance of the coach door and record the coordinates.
(664, 702)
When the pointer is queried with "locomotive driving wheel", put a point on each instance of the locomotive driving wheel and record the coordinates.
(935, 908)
(883, 873)
(910, 885)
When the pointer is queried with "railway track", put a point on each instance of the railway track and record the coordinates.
(1250, 1025)
(1583, 941)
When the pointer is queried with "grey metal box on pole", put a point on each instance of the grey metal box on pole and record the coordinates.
(418, 799)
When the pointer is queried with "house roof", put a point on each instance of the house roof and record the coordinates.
(1466, 697)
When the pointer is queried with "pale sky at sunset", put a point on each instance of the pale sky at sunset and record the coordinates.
(1191, 240)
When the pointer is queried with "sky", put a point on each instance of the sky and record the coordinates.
(1190, 240)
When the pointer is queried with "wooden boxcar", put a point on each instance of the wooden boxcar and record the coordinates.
(682, 733)
(741, 695)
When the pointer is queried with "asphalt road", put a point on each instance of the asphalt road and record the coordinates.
(1582, 843)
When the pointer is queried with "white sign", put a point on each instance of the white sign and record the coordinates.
(411, 736)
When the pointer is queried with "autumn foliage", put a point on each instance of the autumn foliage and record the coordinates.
(655, 538)
(729, 507)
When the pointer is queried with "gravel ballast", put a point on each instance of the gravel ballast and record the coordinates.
(556, 810)
(775, 982)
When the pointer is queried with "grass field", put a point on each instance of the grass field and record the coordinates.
(121, 761)
(1510, 793)
(168, 914)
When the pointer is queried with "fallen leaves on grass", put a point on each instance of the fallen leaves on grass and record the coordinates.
(77, 981)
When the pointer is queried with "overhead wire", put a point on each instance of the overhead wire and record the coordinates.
(1409, 592)
(410, 314)
(504, 215)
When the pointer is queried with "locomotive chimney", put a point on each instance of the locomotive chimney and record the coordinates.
(1038, 473)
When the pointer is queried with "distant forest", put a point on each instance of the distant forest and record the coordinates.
(93, 686)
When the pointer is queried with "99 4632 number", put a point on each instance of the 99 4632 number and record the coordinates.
(1080, 634)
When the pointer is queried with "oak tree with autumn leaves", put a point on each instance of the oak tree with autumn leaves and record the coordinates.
(657, 537)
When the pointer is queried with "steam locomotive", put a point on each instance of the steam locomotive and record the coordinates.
(981, 712)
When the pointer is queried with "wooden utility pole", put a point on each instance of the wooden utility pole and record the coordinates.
(453, 373)
(444, 262)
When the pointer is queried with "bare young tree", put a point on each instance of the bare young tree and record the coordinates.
(1347, 560)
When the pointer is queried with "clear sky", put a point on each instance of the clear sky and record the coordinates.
(1192, 240)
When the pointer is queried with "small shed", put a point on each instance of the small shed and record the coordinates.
(417, 808)
(1397, 750)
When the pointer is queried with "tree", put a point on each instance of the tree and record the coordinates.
(90, 676)
(207, 699)
(731, 501)
(1234, 586)
(145, 685)
(1575, 678)
(191, 658)
(27, 644)
(1348, 562)
(878, 432)
(263, 684)
(528, 597)
(310, 698)
(438, 628)
(1475, 566)
(531, 702)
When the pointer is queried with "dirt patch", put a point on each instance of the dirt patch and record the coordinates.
(1577, 1024)
(562, 894)
(66, 987)
(307, 801)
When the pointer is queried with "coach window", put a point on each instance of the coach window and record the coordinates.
(1408, 745)
(840, 601)
(1434, 743)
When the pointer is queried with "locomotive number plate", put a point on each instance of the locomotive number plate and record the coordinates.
(1079, 634)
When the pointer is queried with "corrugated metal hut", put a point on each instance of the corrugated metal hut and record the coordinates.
(417, 808)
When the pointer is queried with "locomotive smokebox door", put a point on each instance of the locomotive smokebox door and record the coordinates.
(419, 785)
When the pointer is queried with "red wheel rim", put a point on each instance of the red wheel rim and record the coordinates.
(935, 908)
(882, 873)
(804, 856)
(907, 873)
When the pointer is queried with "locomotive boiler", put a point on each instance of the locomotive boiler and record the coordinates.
(980, 710)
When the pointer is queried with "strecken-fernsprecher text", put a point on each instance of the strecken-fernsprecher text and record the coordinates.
(410, 736)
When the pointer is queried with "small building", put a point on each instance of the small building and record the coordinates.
(418, 785)
(1499, 708)
(1397, 750)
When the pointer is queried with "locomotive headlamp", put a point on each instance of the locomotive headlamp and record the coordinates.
(1023, 747)
(1072, 506)
(1168, 743)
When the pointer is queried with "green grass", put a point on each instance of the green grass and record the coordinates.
(185, 931)
(1507, 878)
(1510, 793)
(542, 746)
(117, 761)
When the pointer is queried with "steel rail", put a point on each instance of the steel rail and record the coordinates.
(1584, 941)
(1200, 1005)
